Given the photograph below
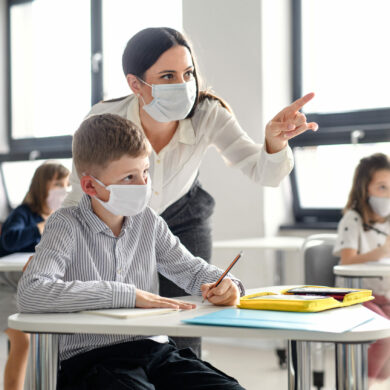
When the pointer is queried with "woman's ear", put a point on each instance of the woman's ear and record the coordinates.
(134, 83)
(88, 185)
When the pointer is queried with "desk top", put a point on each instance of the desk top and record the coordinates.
(14, 262)
(370, 269)
(170, 324)
(276, 243)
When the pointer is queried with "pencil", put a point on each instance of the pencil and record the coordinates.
(222, 277)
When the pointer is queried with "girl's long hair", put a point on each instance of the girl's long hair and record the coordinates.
(364, 172)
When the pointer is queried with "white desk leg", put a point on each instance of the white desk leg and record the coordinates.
(351, 366)
(303, 369)
(43, 361)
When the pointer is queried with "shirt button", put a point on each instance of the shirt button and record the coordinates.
(158, 161)
(119, 271)
(156, 192)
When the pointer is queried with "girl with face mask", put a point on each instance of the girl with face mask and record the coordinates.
(21, 232)
(181, 120)
(363, 236)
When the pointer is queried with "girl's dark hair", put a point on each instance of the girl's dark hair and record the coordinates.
(364, 172)
(145, 48)
(38, 191)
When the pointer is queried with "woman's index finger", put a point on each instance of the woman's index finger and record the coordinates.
(299, 103)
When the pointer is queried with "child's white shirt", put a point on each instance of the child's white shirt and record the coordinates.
(351, 235)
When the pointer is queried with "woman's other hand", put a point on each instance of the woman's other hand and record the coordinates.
(287, 124)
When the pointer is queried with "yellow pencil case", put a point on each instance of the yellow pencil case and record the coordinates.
(306, 299)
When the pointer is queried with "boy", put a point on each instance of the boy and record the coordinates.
(105, 253)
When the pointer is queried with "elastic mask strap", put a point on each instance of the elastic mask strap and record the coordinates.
(142, 81)
(103, 185)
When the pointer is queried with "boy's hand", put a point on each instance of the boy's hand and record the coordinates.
(147, 299)
(226, 294)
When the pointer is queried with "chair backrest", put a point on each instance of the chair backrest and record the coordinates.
(318, 259)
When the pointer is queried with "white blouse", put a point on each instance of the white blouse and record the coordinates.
(174, 169)
(351, 235)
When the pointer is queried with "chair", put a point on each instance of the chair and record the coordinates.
(318, 261)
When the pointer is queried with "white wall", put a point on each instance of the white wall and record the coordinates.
(226, 36)
(277, 92)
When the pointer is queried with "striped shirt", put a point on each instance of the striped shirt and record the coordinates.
(80, 265)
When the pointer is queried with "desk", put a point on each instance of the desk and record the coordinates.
(351, 368)
(14, 262)
(354, 273)
(278, 243)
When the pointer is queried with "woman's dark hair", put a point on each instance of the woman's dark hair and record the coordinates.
(38, 191)
(364, 172)
(145, 48)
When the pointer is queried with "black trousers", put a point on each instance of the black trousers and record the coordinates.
(141, 365)
(189, 218)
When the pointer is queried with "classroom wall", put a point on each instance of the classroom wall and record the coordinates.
(229, 56)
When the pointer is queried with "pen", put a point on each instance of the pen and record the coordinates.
(222, 277)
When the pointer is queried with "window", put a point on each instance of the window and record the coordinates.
(339, 53)
(64, 56)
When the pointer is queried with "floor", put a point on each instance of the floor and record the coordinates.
(254, 365)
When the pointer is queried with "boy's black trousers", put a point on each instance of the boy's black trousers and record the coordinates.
(141, 365)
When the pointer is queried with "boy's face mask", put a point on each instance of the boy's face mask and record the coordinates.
(126, 199)
(171, 102)
(380, 206)
(55, 198)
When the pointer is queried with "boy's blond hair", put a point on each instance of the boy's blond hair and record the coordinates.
(104, 138)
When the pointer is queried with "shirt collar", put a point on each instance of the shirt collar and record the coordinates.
(94, 222)
(185, 129)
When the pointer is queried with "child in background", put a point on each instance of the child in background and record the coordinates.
(363, 235)
(20, 232)
(106, 252)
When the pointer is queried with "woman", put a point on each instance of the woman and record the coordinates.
(181, 121)
(21, 232)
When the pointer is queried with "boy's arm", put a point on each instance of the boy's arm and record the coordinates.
(176, 263)
(42, 287)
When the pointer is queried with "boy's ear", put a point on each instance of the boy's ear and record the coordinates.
(88, 185)
(134, 83)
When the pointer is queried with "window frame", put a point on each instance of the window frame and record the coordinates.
(335, 128)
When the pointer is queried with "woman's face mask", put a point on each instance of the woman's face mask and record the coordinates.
(126, 199)
(171, 102)
(55, 198)
(380, 206)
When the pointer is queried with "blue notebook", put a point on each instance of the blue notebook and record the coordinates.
(336, 320)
